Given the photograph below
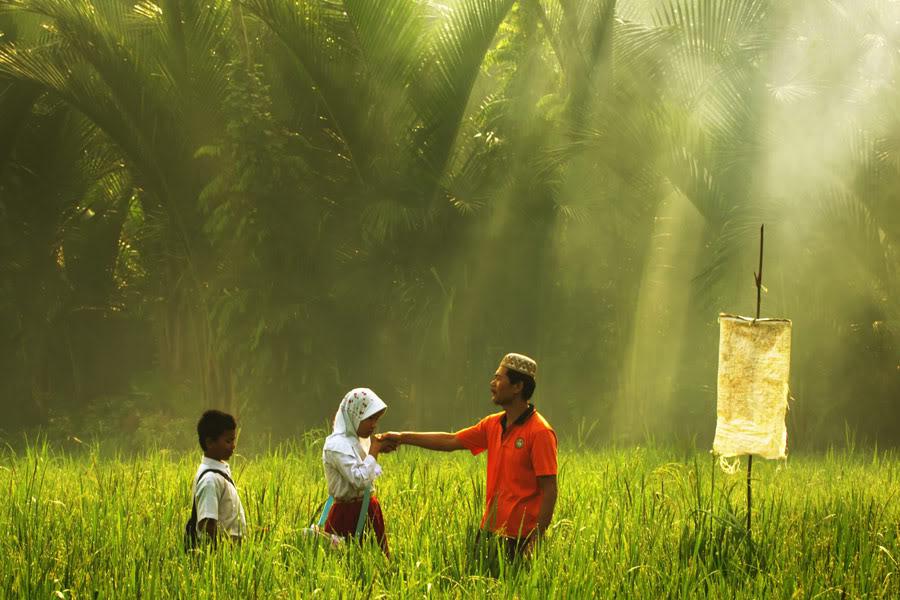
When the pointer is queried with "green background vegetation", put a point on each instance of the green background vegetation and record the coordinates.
(259, 204)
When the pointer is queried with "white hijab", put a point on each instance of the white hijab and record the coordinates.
(358, 405)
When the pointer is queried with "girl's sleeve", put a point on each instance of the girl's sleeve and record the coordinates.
(359, 473)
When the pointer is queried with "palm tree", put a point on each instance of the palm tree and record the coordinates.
(64, 200)
(147, 76)
(296, 195)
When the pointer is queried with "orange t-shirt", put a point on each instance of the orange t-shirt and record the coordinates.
(517, 456)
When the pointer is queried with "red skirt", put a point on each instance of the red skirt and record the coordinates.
(343, 516)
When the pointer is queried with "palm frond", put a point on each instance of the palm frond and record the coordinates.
(716, 47)
(317, 35)
(389, 34)
(453, 63)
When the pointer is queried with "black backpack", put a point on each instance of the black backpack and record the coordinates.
(190, 528)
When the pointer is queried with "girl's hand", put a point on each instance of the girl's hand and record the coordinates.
(375, 446)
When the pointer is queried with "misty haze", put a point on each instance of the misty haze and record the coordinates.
(257, 206)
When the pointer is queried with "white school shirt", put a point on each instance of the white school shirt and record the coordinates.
(217, 499)
(347, 476)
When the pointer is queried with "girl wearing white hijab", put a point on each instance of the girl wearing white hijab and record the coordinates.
(350, 459)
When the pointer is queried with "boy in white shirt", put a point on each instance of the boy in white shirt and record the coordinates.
(218, 506)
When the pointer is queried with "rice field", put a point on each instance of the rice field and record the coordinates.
(630, 523)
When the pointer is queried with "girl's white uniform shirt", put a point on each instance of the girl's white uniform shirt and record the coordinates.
(218, 499)
(347, 475)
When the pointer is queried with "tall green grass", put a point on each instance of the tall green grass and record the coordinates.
(635, 523)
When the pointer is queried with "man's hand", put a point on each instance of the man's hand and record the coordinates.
(383, 443)
(547, 485)
(390, 436)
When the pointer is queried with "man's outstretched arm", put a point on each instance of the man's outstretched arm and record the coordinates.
(432, 440)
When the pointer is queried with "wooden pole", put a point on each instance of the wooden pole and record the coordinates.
(758, 274)
(749, 492)
(758, 277)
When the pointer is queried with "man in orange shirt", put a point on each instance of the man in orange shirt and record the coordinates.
(521, 464)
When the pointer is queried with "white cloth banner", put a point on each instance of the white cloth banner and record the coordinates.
(754, 365)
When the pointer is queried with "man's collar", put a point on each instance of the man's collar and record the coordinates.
(522, 418)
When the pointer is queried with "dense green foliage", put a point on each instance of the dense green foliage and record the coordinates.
(259, 204)
(639, 523)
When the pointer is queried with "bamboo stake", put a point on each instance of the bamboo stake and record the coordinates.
(758, 278)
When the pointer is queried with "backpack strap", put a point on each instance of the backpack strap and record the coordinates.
(222, 473)
(325, 510)
(194, 492)
(363, 511)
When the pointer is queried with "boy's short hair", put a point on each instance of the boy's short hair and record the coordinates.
(527, 381)
(212, 424)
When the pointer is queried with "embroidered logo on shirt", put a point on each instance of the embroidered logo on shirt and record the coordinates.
(520, 442)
